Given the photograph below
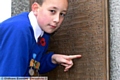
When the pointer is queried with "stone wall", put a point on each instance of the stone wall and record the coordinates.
(114, 10)
(19, 6)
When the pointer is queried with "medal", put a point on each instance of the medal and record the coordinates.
(32, 62)
(31, 71)
(37, 65)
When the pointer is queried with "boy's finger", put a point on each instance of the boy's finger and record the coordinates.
(63, 64)
(74, 56)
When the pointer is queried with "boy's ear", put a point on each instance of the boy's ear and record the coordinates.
(35, 8)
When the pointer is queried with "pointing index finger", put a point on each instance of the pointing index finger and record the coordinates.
(74, 56)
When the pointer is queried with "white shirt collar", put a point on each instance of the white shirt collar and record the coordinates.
(36, 28)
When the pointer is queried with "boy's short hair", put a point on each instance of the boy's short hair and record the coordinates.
(38, 1)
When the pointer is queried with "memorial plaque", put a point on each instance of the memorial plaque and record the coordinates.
(84, 31)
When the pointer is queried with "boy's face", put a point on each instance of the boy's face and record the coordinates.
(50, 14)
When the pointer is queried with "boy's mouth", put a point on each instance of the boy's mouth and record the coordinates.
(53, 26)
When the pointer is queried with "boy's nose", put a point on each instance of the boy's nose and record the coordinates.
(56, 19)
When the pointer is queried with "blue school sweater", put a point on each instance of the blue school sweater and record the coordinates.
(17, 46)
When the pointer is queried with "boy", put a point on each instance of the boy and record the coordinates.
(21, 52)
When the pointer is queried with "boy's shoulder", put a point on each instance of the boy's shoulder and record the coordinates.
(18, 22)
(22, 17)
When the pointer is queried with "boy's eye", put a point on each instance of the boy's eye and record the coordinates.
(62, 14)
(52, 11)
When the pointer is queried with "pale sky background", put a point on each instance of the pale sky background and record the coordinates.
(5, 9)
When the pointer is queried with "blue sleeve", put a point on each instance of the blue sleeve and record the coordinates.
(14, 51)
(46, 63)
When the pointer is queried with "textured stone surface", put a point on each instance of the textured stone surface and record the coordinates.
(19, 6)
(114, 39)
(82, 32)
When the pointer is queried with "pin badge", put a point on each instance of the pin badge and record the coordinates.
(34, 55)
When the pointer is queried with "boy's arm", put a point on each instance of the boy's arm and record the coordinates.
(46, 64)
(14, 49)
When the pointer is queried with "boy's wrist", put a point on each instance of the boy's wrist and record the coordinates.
(53, 59)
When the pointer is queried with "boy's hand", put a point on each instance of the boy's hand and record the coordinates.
(64, 60)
